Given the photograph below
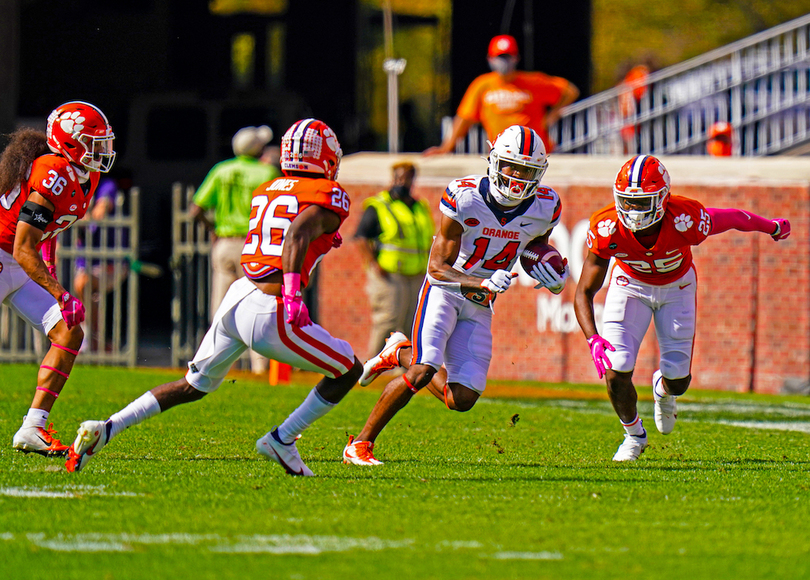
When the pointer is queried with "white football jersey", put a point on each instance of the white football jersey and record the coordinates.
(493, 239)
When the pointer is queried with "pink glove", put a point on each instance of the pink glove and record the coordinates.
(782, 229)
(52, 270)
(337, 240)
(297, 312)
(600, 360)
(72, 310)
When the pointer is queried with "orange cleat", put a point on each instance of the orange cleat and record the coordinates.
(385, 361)
(359, 453)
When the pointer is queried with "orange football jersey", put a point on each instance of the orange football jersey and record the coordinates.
(53, 178)
(522, 101)
(274, 206)
(686, 223)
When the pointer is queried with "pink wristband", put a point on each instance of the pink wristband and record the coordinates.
(292, 283)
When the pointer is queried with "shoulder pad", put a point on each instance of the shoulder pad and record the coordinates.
(546, 192)
(468, 182)
(51, 176)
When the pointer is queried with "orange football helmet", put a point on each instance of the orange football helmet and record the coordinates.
(641, 192)
(81, 133)
(310, 145)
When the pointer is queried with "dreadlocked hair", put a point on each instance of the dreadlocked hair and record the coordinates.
(24, 146)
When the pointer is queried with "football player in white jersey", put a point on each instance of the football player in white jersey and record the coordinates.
(486, 222)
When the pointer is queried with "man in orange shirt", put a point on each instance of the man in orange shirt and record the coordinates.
(507, 96)
(720, 143)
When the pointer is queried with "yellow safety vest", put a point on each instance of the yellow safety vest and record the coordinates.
(407, 234)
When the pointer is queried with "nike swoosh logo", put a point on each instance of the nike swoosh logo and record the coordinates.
(289, 469)
(672, 251)
(684, 285)
(526, 224)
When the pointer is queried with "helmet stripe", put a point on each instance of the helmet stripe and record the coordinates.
(292, 132)
(524, 132)
(300, 132)
(636, 170)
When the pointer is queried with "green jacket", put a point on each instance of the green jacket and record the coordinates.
(407, 234)
(228, 189)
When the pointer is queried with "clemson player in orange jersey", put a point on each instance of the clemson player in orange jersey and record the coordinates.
(649, 233)
(294, 222)
(46, 183)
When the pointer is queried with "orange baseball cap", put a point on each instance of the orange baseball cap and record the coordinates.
(503, 44)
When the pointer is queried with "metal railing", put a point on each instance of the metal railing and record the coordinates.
(191, 282)
(191, 278)
(759, 85)
(110, 295)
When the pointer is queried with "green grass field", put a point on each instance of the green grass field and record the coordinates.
(185, 495)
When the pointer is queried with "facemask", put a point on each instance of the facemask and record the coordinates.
(503, 64)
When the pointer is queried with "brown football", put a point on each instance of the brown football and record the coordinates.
(536, 252)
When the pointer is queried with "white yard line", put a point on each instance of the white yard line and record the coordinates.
(784, 410)
(67, 491)
(524, 556)
(267, 544)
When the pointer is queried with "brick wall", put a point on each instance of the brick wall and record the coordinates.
(753, 310)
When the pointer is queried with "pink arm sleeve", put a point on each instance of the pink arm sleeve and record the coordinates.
(49, 250)
(737, 219)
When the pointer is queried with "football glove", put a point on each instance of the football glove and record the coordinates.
(72, 310)
(782, 229)
(549, 278)
(297, 312)
(600, 360)
(499, 281)
(337, 240)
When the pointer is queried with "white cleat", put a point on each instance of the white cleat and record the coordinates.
(631, 448)
(386, 360)
(90, 439)
(285, 454)
(665, 407)
(38, 440)
(359, 453)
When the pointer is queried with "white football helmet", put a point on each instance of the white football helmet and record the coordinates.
(641, 192)
(517, 163)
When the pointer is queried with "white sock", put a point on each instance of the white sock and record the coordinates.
(313, 408)
(36, 418)
(635, 427)
(136, 412)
